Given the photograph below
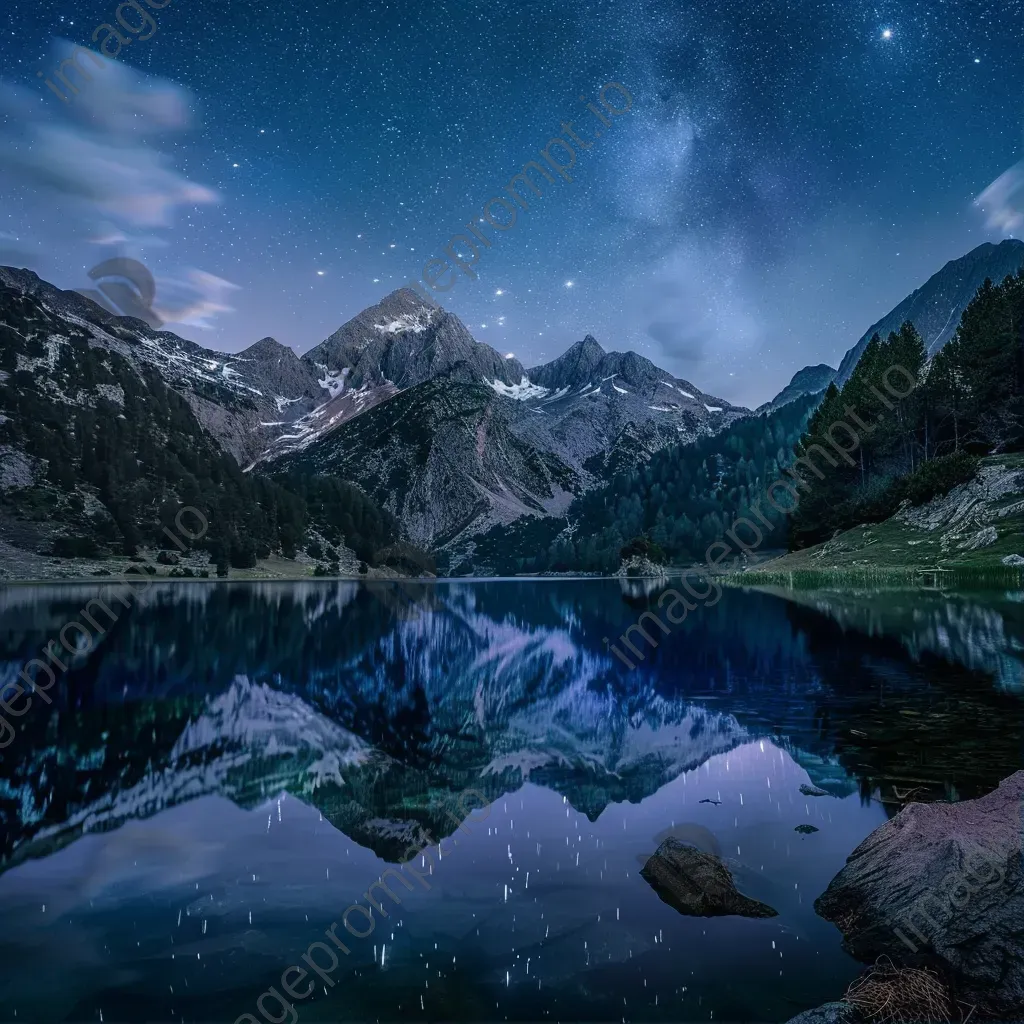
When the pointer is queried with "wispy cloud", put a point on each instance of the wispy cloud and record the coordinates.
(1003, 201)
(97, 166)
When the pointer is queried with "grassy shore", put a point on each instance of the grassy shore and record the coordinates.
(960, 538)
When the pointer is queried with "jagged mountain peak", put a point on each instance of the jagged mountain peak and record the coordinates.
(267, 349)
(573, 368)
(409, 298)
(405, 340)
(808, 381)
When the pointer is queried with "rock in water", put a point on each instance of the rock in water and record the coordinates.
(813, 790)
(941, 885)
(697, 883)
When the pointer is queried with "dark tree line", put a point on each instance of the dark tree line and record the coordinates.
(965, 403)
(679, 502)
(925, 423)
(122, 453)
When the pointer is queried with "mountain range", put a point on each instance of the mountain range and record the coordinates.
(439, 430)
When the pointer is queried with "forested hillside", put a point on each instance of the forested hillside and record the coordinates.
(967, 402)
(684, 498)
(97, 456)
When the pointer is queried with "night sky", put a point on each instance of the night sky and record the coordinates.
(787, 173)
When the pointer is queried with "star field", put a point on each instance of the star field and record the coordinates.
(787, 173)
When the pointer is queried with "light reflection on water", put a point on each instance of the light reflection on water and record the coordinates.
(536, 911)
(233, 766)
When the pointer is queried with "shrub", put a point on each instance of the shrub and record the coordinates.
(75, 547)
(899, 995)
(405, 558)
(243, 555)
(167, 558)
(643, 548)
(938, 477)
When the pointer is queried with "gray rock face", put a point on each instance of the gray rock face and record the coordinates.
(406, 340)
(444, 459)
(830, 1013)
(244, 400)
(697, 883)
(935, 308)
(808, 381)
(940, 885)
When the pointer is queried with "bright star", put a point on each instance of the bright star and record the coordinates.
(887, 34)
(319, 273)
(499, 292)
(568, 284)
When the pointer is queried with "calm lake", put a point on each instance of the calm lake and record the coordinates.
(233, 765)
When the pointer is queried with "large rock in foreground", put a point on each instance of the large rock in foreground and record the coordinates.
(697, 883)
(940, 885)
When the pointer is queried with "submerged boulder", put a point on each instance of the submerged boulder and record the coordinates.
(940, 885)
(697, 883)
(813, 790)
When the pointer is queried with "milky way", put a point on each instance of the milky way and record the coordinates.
(787, 173)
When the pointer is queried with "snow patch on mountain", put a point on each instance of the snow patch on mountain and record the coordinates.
(521, 392)
(333, 381)
(255, 716)
(416, 322)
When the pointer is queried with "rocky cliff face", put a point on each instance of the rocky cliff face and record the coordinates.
(406, 340)
(808, 381)
(935, 308)
(940, 885)
(445, 458)
(458, 438)
(242, 400)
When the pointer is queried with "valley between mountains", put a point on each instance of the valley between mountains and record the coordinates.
(400, 444)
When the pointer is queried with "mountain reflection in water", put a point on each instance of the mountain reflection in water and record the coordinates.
(234, 764)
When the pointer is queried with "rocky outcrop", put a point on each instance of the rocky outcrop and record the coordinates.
(698, 883)
(970, 516)
(940, 885)
(639, 565)
(830, 1013)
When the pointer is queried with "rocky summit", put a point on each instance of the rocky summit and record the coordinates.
(402, 401)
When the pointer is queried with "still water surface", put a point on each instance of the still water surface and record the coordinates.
(234, 764)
